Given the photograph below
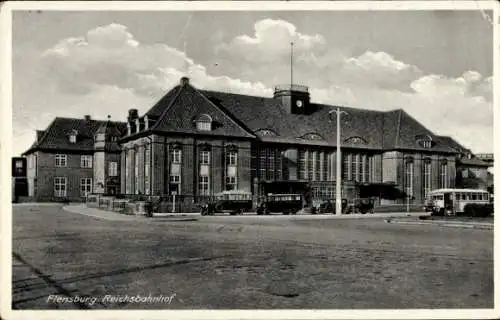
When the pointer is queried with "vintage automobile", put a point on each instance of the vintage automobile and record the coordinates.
(360, 205)
(329, 206)
(280, 203)
(232, 202)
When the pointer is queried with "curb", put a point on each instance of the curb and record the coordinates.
(448, 225)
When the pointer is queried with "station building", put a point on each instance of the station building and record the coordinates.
(195, 143)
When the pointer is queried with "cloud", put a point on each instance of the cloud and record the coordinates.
(107, 71)
(271, 42)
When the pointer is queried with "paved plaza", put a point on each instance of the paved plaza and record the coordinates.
(68, 260)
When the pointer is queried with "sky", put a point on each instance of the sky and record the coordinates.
(435, 65)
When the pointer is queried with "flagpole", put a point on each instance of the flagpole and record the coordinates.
(291, 64)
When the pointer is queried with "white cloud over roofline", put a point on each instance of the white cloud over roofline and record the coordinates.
(109, 63)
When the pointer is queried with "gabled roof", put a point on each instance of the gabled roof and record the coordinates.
(56, 136)
(267, 113)
(408, 129)
(185, 105)
(248, 116)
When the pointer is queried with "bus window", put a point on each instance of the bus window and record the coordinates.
(485, 196)
(457, 196)
(473, 196)
(464, 196)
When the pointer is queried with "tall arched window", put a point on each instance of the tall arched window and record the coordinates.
(427, 176)
(408, 181)
(136, 170)
(175, 178)
(205, 156)
(231, 168)
(443, 174)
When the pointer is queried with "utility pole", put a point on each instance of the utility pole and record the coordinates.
(338, 179)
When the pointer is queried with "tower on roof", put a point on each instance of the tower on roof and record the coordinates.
(294, 98)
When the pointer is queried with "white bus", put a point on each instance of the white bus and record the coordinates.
(453, 201)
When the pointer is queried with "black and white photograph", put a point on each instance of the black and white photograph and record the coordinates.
(278, 160)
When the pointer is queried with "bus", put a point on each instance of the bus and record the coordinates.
(453, 201)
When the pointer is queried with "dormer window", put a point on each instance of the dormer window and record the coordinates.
(204, 123)
(72, 136)
(265, 132)
(312, 136)
(355, 140)
(425, 141)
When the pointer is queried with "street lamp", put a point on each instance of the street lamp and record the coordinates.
(338, 193)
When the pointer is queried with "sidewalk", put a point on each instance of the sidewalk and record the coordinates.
(115, 216)
(450, 224)
(37, 204)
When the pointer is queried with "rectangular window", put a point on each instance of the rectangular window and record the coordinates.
(262, 164)
(61, 160)
(175, 184)
(310, 165)
(72, 138)
(136, 172)
(176, 156)
(19, 164)
(345, 165)
(60, 186)
(85, 186)
(204, 187)
(355, 167)
(270, 164)
(231, 158)
(204, 125)
(278, 161)
(324, 169)
(444, 175)
(205, 157)
(409, 178)
(147, 156)
(427, 177)
(113, 169)
(317, 168)
(86, 161)
(230, 183)
(366, 168)
(302, 165)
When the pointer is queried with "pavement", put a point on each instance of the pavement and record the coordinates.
(451, 224)
(234, 262)
(393, 217)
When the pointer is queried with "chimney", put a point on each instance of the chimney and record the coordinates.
(132, 114)
(87, 117)
(184, 81)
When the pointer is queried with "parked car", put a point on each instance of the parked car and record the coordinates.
(232, 202)
(360, 205)
(329, 206)
(283, 203)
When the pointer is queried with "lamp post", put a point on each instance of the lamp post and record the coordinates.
(338, 192)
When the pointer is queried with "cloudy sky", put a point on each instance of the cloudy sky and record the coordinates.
(436, 65)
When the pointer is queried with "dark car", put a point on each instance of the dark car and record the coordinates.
(232, 202)
(329, 206)
(361, 205)
(283, 203)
